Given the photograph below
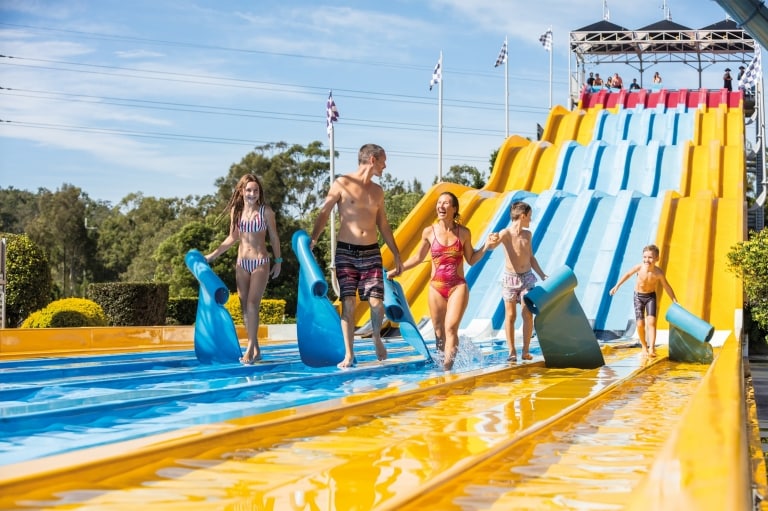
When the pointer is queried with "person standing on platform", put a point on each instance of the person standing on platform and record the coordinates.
(727, 80)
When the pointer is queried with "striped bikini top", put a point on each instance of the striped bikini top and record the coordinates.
(257, 224)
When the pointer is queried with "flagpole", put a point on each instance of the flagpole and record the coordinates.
(506, 89)
(551, 46)
(331, 116)
(440, 123)
(760, 200)
(333, 211)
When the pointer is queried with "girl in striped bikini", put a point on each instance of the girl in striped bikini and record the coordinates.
(251, 219)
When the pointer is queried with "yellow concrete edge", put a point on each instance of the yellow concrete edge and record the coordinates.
(31, 342)
(705, 465)
(756, 454)
(89, 463)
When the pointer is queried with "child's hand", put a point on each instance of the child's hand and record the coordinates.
(391, 274)
(493, 240)
(613, 290)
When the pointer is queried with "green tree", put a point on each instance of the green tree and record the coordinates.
(59, 228)
(171, 252)
(464, 175)
(28, 280)
(749, 260)
(17, 208)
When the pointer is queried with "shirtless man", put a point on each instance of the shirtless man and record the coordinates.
(518, 276)
(648, 278)
(358, 258)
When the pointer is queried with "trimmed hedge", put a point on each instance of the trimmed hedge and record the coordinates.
(181, 311)
(67, 312)
(272, 312)
(132, 303)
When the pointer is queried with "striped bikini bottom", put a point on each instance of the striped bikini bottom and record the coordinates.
(250, 265)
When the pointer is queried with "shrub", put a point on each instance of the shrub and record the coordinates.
(29, 283)
(132, 303)
(67, 312)
(272, 312)
(749, 261)
(181, 311)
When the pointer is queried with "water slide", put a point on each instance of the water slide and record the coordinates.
(505, 437)
(602, 185)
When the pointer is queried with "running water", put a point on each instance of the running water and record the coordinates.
(468, 357)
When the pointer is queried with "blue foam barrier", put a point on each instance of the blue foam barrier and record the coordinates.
(397, 310)
(318, 326)
(215, 334)
(689, 336)
(563, 330)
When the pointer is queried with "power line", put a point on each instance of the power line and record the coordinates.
(252, 84)
(199, 138)
(229, 111)
(183, 44)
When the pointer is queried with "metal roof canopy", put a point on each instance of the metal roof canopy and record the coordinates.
(661, 42)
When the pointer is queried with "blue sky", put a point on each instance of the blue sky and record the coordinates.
(162, 96)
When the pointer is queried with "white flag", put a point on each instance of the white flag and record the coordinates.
(437, 74)
(753, 72)
(546, 40)
(331, 113)
(502, 58)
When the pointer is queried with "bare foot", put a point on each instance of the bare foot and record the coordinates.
(652, 354)
(346, 363)
(381, 350)
(527, 356)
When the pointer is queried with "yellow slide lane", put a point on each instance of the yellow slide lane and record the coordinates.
(366, 450)
(695, 235)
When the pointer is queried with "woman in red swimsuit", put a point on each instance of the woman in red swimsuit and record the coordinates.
(450, 245)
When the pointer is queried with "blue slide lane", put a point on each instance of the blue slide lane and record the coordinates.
(603, 207)
(215, 335)
(318, 326)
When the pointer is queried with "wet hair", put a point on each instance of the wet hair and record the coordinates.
(652, 249)
(455, 204)
(237, 202)
(369, 150)
(518, 209)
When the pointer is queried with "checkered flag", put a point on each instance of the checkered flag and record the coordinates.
(752, 73)
(331, 113)
(437, 74)
(502, 58)
(546, 40)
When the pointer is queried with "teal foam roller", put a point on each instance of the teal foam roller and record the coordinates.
(312, 277)
(690, 324)
(210, 283)
(561, 282)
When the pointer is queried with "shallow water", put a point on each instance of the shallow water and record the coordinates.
(52, 406)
